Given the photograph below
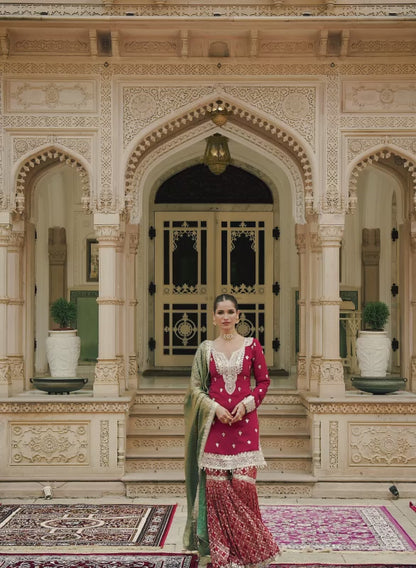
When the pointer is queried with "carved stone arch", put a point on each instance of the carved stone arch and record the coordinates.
(373, 156)
(238, 114)
(41, 160)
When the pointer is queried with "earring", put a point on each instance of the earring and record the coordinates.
(214, 323)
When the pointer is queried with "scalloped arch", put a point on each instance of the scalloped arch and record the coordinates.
(236, 113)
(41, 158)
(374, 156)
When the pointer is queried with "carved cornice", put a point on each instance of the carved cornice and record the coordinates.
(162, 9)
(64, 407)
(361, 407)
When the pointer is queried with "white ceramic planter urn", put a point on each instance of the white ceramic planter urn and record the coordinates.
(373, 353)
(63, 348)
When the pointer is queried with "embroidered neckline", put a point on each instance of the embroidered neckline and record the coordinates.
(232, 367)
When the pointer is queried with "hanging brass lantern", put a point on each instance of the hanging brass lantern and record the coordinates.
(217, 155)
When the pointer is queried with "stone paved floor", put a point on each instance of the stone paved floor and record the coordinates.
(399, 509)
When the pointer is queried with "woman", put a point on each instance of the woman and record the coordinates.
(222, 450)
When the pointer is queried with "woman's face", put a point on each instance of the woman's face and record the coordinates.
(226, 316)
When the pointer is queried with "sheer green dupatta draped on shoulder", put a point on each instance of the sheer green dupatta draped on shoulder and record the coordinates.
(199, 412)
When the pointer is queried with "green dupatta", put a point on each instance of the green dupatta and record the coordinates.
(199, 412)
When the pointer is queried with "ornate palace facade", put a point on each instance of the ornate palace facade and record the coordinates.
(106, 110)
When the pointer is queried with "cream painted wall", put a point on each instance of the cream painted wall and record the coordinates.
(56, 203)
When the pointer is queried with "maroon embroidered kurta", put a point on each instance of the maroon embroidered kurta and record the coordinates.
(237, 536)
(236, 445)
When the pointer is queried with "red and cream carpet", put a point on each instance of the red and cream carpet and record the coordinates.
(84, 524)
(336, 528)
(138, 560)
(122, 560)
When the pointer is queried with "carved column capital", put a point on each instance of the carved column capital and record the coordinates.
(331, 235)
(16, 240)
(5, 234)
(107, 234)
(316, 242)
(133, 242)
(300, 238)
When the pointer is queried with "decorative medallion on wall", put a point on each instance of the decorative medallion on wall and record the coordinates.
(51, 443)
(65, 96)
(382, 444)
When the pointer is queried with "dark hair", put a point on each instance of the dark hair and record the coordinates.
(224, 298)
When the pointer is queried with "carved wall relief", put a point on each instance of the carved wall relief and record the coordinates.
(382, 444)
(49, 443)
(377, 96)
(46, 95)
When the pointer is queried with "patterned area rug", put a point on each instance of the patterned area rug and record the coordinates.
(128, 560)
(336, 528)
(137, 560)
(82, 524)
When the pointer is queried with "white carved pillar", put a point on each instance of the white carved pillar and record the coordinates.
(5, 376)
(315, 329)
(120, 310)
(15, 308)
(412, 386)
(331, 381)
(302, 376)
(131, 306)
(107, 230)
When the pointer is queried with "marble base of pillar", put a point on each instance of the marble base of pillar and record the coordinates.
(106, 382)
(17, 373)
(331, 379)
(412, 385)
(314, 373)
(133, 375)
(5, 378)
(302, 379)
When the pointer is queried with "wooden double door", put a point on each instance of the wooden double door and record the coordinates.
(199, 255)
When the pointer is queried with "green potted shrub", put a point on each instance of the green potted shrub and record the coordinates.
(63, 346)
(64, 313)
(373, 345)
(375, 315)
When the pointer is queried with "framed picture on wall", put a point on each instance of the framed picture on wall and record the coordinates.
(92, 260)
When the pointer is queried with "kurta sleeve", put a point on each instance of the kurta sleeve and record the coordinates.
(199, 412)
(261, 375)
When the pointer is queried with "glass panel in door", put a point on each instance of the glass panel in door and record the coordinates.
(245, 249)
(183, 285)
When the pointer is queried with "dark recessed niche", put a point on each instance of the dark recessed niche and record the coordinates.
(198, 185)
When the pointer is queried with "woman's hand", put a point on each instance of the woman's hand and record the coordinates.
(223, 415)
(239, 412)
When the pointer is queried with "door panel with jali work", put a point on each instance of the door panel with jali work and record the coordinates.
(200, 255)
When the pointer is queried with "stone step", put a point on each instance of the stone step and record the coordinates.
(283, 464)
(155, 445)
(158, 398)
(176, 409)
(171, 424)
(149, 446)
(172, 484)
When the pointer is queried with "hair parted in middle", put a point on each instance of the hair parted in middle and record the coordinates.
(225, 298)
